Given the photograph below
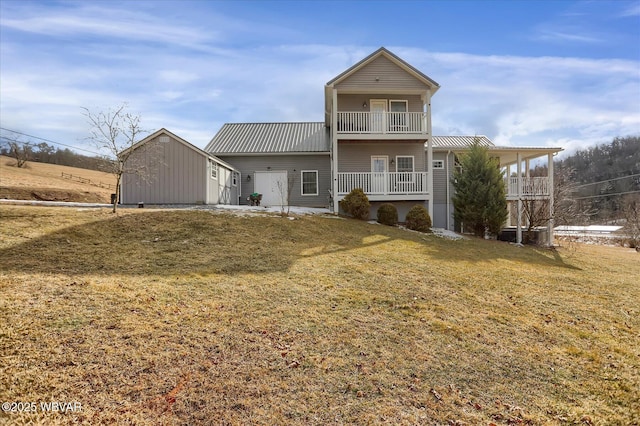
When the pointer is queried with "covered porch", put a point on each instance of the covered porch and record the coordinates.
(521, 186)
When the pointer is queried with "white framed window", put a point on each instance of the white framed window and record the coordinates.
(309, 182)
(438, 164)
(234, 178)
(214, 170)
(404, 163)
(404, 168)
(398, 116)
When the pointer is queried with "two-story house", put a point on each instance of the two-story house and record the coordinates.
(376, 135)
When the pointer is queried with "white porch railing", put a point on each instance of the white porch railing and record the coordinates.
(390, 183)
(382, 122)
(531, 186)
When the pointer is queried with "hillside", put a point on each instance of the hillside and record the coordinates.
(42, 181)
(198, 317)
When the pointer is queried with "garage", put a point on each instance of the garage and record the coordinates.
(273, 187)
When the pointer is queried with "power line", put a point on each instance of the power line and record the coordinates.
(607, 195)
(43, 139)
(607, 180)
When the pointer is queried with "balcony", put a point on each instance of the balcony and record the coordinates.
(532, 187)
(385, 186)
(382, 123)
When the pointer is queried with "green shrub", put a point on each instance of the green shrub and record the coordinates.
(388, 214)
(418, 219)
(356, 204)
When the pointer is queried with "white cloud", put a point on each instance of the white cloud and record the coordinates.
(185, 79)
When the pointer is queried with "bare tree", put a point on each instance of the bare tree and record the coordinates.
(631, 209)
(21, 151)
(115, 131)
(284, 189)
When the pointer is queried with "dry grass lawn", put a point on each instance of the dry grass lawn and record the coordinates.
(195, 317)
(42, 181)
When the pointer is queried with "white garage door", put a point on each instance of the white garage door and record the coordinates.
(272, 186)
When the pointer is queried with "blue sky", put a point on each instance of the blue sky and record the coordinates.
(523, 73)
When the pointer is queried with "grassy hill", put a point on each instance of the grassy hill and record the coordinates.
(42, 181)
(197, 317)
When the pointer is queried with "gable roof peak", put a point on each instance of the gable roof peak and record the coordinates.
(383, 51)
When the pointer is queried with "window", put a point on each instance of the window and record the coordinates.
(163, 139)
(309, 182)
(398, 116)
(214, 170)
(438, 164)
(404, 164)
(234, 178)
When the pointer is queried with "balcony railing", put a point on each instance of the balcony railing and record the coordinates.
(382, 122)
(531, 186)
(389, 183)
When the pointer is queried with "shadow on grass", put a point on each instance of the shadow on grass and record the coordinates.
(181, 242)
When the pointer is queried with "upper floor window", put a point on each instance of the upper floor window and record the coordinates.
(438, 164)
(398, 118)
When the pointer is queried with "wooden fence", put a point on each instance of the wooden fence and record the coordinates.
(87, 181)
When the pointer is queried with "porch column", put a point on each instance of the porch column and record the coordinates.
(429, 154)
(551, 200)
(509, 204)
(519, 208)
(334, 150)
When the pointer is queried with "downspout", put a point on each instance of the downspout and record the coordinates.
(239, 195)
(448, 185)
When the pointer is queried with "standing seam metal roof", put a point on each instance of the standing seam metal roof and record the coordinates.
(266, 138)
(460, 141)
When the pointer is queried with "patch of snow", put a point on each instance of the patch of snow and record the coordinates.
(445, 233)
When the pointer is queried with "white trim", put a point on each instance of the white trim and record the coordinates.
(214, 169)
(413, 162)
(438, 164)
(302, 183)
(386, 163)
(406, 104)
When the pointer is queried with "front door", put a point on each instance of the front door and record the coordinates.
(378, 115)
(379, 174)
(273, 187)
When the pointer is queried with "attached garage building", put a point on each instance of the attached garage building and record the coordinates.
(166, 169)
(288, 163)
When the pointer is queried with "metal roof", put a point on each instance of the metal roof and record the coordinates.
(456, 142)
(270, 138)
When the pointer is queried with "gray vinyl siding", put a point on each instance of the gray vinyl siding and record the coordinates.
(442, 178)
(353, 102)
(175, 174)
(389, 75)
(356, 156)
(293, 164)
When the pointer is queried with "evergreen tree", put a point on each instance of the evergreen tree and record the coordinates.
(480, 201)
